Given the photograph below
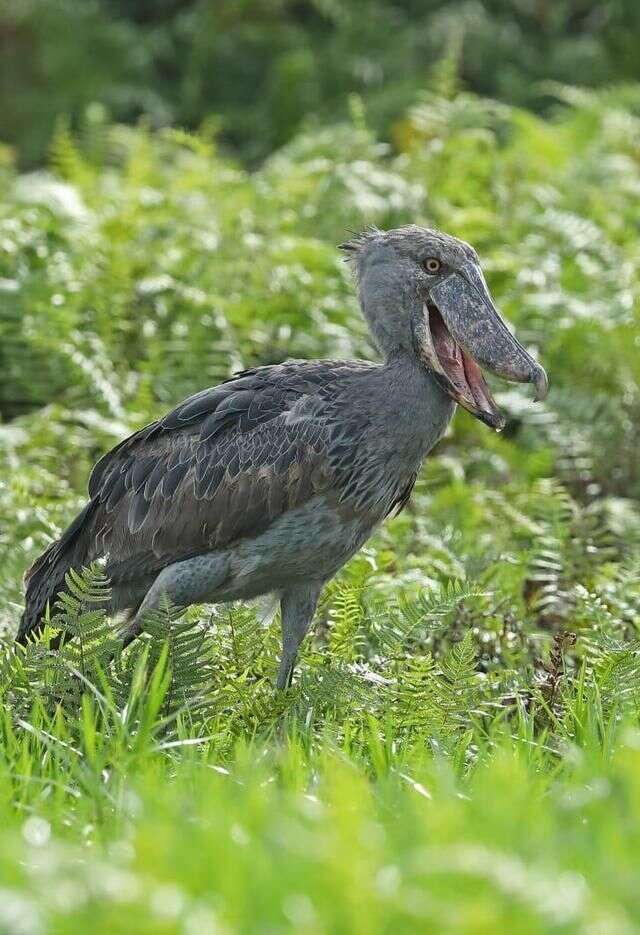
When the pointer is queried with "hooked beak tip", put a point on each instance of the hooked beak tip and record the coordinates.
(541, 382)
(495, 420)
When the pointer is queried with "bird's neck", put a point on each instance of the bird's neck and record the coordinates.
(413, 405)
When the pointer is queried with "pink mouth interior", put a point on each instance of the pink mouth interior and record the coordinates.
(463, 372)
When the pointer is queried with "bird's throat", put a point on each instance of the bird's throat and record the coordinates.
(417, 409)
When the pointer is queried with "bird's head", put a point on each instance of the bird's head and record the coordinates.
(424, 291)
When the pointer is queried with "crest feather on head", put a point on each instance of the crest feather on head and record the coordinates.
(360, 239)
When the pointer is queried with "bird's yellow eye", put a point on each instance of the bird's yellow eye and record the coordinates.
(432, 265)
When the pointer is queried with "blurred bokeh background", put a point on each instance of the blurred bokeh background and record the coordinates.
(261, 70)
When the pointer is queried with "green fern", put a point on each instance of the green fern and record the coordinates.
(443, 697)
(80, 616)
(65, 156)
(186, 641)
(346, 617)
(458, 666)
(411, 621)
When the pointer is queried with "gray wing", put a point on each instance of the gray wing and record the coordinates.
(222, 465)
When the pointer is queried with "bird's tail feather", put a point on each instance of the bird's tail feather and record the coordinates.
(46, 576)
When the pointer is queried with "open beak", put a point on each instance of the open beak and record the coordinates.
(461, 330)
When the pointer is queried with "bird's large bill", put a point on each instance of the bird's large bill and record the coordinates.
(458, 373)
(462, 331)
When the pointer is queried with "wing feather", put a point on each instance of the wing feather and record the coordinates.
(222, 465)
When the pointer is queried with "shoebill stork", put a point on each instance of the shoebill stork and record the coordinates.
(271, 481)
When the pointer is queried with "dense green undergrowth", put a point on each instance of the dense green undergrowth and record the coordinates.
(459, 750)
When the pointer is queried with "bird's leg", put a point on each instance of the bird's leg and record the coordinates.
(192, 581)
(297, 607)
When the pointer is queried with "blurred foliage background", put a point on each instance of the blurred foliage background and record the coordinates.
(260, 70)
(459, 751)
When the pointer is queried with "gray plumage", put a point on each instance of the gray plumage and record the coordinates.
(272, 480)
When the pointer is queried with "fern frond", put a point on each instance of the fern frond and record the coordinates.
(458, 666)
(346, 615)
(412, 619)
(78, 613)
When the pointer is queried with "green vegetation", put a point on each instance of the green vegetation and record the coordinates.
(262, 69)
(461, 748)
